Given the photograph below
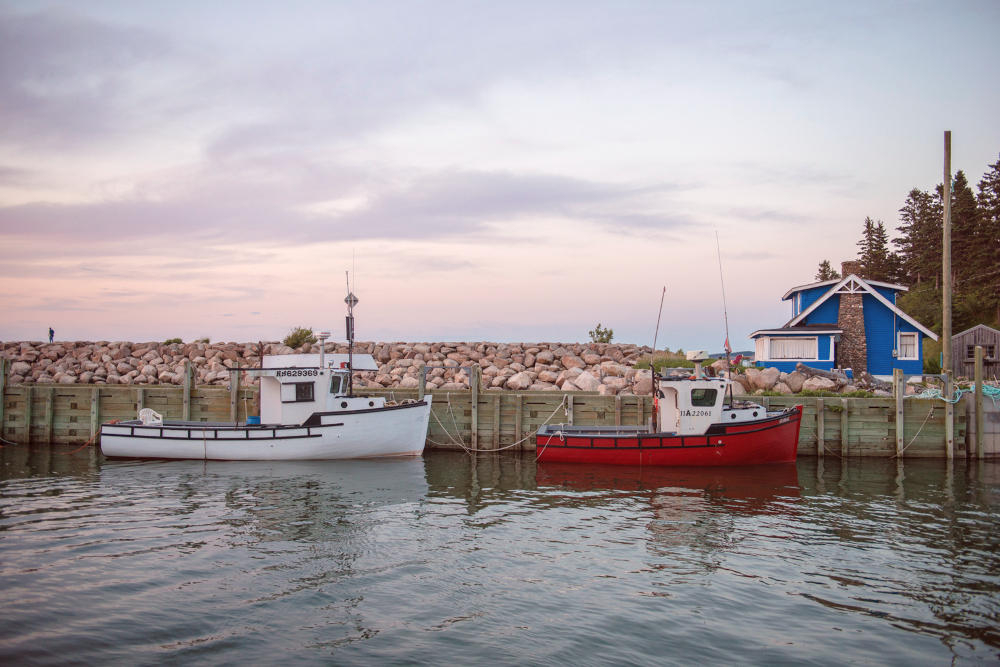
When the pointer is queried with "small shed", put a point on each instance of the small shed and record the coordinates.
(963, 351)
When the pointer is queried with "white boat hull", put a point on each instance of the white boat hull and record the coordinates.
(390, 431)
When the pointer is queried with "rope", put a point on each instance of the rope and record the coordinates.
(931, 412)
(498, 449)
(988, 390)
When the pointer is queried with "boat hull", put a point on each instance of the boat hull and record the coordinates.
(772, 440)
(380, 432)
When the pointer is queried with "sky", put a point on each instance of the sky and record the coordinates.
(513, 171)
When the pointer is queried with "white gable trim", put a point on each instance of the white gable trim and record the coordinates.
(854, 285)
(901, 288)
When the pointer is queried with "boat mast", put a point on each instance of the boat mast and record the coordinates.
(351, 301)
(725, 313)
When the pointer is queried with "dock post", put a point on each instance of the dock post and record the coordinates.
(844, 421)
(639, 407)
(496, 421)
(140, 399)
(422, 387)
(518, 427)
(50, 409)
(186, 396)
(569, 409)
(820, 428)
(234, 392)
(95, 403)
(949, 417)
(978, 374)
(4, 366)
(618, 410)
(27, 415)
(899, 389)
(474, 383)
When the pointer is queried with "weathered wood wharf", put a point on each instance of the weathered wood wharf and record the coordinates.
(488, 420)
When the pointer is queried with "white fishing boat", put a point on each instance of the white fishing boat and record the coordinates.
(308, 410)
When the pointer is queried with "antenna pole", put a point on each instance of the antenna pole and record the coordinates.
(350, 339)
(725, 312)
(652, 354)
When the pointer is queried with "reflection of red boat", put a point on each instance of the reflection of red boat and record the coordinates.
(691, 426)
(754, 488)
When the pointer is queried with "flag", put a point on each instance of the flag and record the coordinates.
(728, 349)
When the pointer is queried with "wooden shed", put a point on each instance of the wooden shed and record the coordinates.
(963, 351)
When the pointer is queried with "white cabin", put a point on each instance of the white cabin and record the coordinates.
(295, 386)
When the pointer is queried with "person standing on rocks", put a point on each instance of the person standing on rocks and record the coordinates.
(52, 334)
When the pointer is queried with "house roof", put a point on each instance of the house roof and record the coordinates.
(808, 329)
(978, 326)
(855, 285)
(789, 293)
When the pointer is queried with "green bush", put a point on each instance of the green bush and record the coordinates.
(173, 341)
(600, 335)
(204, 339)
(299, 336)
(664, 360)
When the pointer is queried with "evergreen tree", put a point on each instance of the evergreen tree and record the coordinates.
(988, 202)
(877, 261)
(826, 272)
(919, 243)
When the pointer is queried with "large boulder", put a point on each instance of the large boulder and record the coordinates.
(591, 357)
(643, 387)
(617, 383)
(572, 361)
(738, 389)
(567, 376)
(20, 368)
(607, 390)
(613, 368)
(409, 382)
(720, 366)
(569, 386)
(587, 382)
(518, 382)
(795, 380)
(767, 378)
(782, 389)
(545, 357)
(819, 384)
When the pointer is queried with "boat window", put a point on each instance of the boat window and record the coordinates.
(304, 391)
(335, 384)
(703, 398)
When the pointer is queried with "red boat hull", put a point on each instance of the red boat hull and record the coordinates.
(773, 440)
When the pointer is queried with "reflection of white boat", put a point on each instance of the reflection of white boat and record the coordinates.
(306, 413)
(308, 410)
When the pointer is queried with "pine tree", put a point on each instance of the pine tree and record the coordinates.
(988, 202)
(919, 243)
(826, 272)
(877, 261)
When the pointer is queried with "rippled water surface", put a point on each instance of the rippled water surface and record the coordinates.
(451, 560)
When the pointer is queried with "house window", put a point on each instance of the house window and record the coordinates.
(760, 347)
(793, 348)
(908, 346)
(989, 352)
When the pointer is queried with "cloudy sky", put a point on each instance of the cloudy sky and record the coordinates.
(489, 171)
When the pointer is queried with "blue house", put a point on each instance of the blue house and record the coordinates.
(849, 323)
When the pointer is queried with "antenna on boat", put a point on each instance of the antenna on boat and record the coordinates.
(351, 301)
(725, 312)
(652, 354)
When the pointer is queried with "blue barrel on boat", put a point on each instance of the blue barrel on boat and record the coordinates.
(253, 421)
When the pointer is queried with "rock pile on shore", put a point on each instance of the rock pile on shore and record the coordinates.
(604, 368)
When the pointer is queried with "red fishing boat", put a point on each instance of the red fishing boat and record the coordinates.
(692, 425)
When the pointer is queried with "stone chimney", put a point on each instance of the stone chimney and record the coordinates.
(852, 351)
(847, 268)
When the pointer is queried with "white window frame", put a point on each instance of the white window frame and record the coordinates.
(814, 339)
(916, 345)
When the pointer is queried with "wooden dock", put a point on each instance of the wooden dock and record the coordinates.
(488, 420)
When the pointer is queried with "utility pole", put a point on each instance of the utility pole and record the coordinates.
(946, 260)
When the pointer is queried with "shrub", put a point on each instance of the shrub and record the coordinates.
(299, 336)
(204, 339)
(173, 341)
(601, 335)
(665, 360)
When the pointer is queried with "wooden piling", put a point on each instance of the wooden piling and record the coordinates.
(234, 392)
(474, 382)
(949, 418)
(844, 421)
(50, 412)
(569, 409)
(899, 389)
(496, 421)
(422, 387)
(618, 410)
(140, 399)
(4, 370)
(27, 415)
(95, 411)
(980, 440)
(820, 428)
(518, 428)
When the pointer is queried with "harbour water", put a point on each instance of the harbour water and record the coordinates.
(495, 561)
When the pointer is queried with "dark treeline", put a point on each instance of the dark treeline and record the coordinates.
(916, 259)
